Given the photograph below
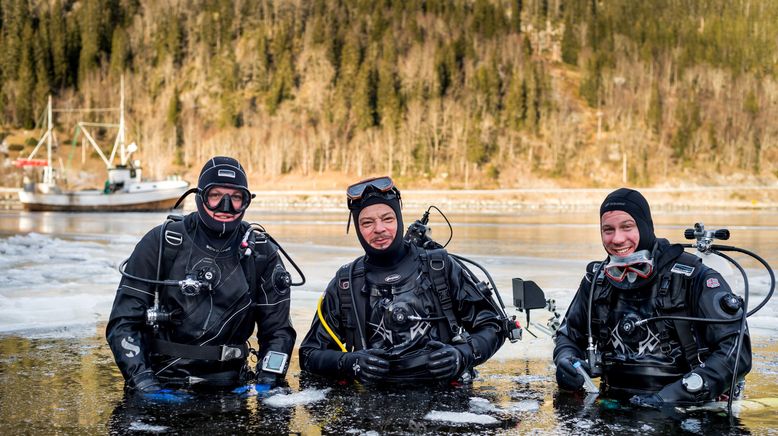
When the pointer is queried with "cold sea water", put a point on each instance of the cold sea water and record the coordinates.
(57, 375)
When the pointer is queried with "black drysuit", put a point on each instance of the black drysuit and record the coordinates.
(412, 289)
(223, 316)
(651, 358)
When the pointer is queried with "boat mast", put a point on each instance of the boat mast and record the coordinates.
(120, 136)
(48, 174)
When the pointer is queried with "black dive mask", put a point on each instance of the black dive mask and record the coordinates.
(233, 204)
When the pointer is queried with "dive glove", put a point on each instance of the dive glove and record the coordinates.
(145, 382)
(148, 387)
(674, 394)
(446, 362)
(367, 366)
(567, 376)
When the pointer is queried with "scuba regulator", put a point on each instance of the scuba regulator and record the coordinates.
(419, 234)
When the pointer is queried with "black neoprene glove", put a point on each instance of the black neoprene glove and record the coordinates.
(367, 366)
(267, 378)
(446, 362)
(566, 375)
(145, 382)
(670, 395)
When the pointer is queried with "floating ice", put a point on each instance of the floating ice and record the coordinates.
(482, 405)
(460, 417)
(307, 396)
(140, 426)
(531, 378)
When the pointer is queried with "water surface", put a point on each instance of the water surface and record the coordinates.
(58, 376)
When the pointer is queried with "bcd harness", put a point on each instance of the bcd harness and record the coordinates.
(173, 236)
(433, 267)
(672, 296)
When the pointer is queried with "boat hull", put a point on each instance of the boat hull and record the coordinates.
(145, 196)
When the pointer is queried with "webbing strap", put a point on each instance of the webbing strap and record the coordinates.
(434, 262)
(204, 352)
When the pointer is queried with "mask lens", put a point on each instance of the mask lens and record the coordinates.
(227, 200)
(381, 184)
(619, 272)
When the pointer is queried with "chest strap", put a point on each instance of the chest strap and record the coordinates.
(220, 353)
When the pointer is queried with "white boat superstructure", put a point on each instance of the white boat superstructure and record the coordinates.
(124, 189)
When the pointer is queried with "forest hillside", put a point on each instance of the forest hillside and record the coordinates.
(437, 93)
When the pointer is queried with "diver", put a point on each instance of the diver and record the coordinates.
(400, 313)
(657, 363)
(193, 291)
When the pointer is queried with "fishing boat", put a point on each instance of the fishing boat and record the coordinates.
(124, 189)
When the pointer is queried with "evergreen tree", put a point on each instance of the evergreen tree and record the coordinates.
(175, 39)
(516, 9)
(26, 81)
(516, 102)
(365, 97)
(120, 51)
(42, 62)
(655, 109)
(570, 45)
(90, 27)
(58, 35)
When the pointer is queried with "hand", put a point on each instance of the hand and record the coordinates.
(567, 377)
(445, 362)
(673, 394)
(367, 366)
(145, 382)
(651, 401)
(148, 387)
(267, 379)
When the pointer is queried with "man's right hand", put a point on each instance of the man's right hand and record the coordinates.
(367, 366)
(145, 382)
(567, 376)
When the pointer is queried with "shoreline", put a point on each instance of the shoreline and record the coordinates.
(747, 197)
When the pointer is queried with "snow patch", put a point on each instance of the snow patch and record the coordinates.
(140, 426)
(307, 396)
(460, 417)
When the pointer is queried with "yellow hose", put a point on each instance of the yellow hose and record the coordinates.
(327, 327)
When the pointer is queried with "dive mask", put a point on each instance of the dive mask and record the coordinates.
(217, 201)
(376, 186)
(637, 264)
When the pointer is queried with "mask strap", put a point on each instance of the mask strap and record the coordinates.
(184, 195)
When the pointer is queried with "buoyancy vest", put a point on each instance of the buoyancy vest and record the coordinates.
(213, 324)
(660, 351)
(431, 281)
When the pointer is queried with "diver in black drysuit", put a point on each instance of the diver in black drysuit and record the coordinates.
(204, 345)
(663, 362)
(402, 334)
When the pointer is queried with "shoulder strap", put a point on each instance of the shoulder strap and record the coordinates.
(434, 265)
(672, 299)
(344, 283)
(173, 239)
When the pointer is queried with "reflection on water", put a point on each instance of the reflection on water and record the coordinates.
(58, 376)
(72, 386)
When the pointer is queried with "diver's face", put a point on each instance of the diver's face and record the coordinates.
(214, 197)
(378, 225)
(620, 235)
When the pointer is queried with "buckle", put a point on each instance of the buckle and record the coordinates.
(435, 262)
(229, 353)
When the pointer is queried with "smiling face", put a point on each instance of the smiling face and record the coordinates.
(620, 234)
(214, 198)
(378, 225)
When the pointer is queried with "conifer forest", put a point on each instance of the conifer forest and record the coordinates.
(452, 93)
